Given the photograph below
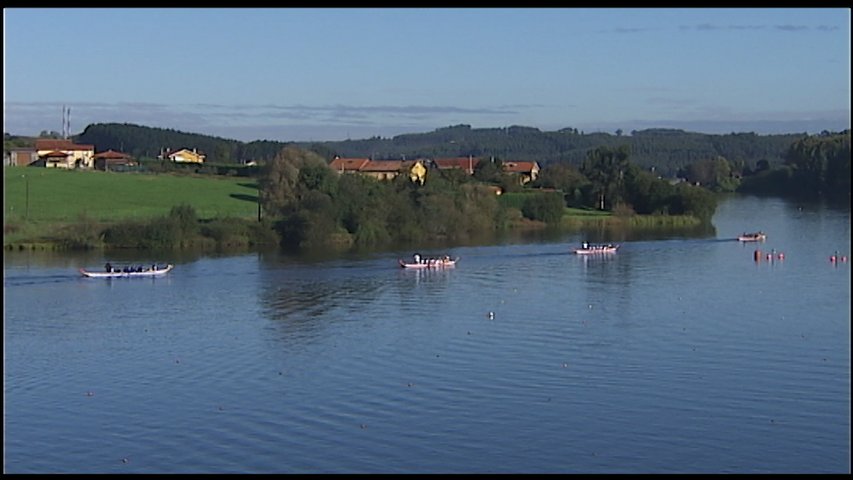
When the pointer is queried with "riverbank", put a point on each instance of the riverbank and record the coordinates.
(245, 234)
(52, 209)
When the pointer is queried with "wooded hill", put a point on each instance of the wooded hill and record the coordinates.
(667, 150)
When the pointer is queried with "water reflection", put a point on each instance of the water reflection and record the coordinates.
(417, 276)
(606, 272)
(609, 233)
(303, 300)
(596, 262)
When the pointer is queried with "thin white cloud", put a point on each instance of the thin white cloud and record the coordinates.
(29, 118)
(340, 122)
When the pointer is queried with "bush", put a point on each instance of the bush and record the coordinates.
(186, 219)
(84, 234)
(545, 207)
(622, 209)
(128, 234)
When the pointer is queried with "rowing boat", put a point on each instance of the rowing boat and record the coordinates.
(589, 249)
(752, 237)
(117, 274)
(440, 263)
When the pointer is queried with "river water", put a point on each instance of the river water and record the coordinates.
(678, 354)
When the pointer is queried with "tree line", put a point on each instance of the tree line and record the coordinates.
(816, 166)
(310, 204)
(789, 164)
(609, 180)
(666, 150)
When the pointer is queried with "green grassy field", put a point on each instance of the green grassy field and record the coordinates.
(42, 195)
(586, 213)
(37, 200)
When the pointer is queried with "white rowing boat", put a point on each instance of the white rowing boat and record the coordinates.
(150, 272)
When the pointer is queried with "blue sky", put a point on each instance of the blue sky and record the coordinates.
(331, 74)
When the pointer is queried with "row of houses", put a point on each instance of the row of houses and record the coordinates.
(61, 153)
(58, 153)
(416, 169)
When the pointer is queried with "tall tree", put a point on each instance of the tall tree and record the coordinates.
(605, 168)
(821, 164)
(279, 182)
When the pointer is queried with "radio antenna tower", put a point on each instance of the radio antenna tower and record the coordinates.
(66, 122)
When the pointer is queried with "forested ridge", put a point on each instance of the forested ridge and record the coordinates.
(666, 150)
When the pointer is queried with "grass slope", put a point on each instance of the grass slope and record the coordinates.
(62, 196)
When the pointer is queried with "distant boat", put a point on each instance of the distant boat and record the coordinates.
(431, 263)
(592, 249)
(150, 272)
(753, 237)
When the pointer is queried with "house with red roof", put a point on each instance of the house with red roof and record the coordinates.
(61, 153)
(348, 165)
(527, 171)
(466, 164)
(380, 169)
(112, 159)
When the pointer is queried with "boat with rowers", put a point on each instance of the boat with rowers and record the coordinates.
(752, 237)
(127, 272)
(587, 248)
(443, 262)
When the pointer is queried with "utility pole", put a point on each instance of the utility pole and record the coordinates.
(27, 208)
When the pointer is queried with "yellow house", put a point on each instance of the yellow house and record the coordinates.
(417, 173)
(186, 156)
(65, 154)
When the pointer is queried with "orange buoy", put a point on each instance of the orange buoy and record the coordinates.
(757, 255)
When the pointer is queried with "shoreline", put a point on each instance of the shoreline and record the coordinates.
(569, 222)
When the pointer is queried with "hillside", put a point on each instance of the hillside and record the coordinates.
(665, 149)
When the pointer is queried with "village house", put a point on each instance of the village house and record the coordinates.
(112, 160)
(389, 169)
(417, 169)
(64, 154)
(348, 165)
(527, 171)
(381, 169)
(185, 155)
(20, 156)
(466, 164)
